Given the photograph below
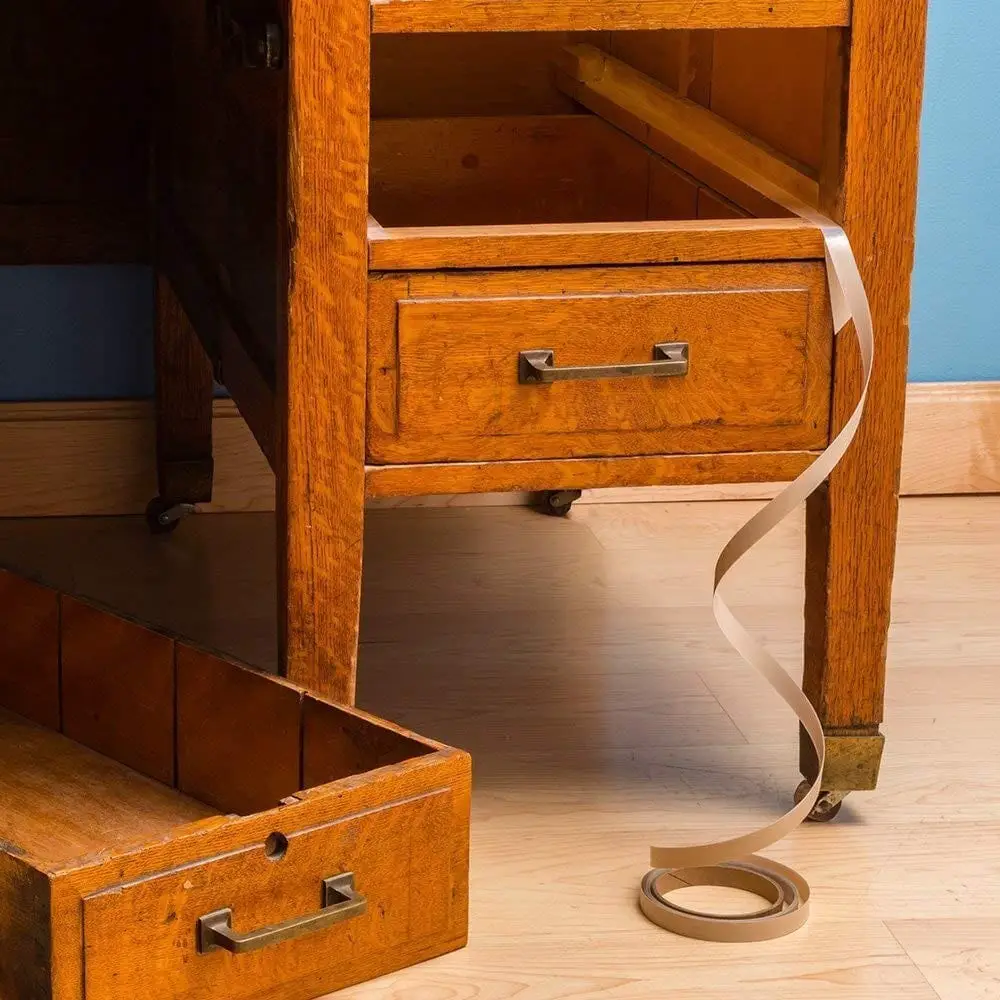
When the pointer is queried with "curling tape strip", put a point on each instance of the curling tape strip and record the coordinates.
(734, 862)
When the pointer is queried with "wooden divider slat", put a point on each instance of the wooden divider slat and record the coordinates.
(703, 144)
(118, 688)
(29, 650)
(687, 240)
(238, 734)
(336, 744)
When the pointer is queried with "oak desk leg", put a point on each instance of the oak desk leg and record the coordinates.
(321, 370)
(851, 523)
(183, 405)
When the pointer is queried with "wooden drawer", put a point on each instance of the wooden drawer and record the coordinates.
(445, 349)
(180, 786)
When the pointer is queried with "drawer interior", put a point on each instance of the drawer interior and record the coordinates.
(554, 128)
(526, 169)
(63, 801)
(113, 736)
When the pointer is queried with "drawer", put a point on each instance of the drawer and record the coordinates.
(449, 378)
(393, 907)
(183, 827)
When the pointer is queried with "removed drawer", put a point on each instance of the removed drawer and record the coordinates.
(177, 826)
(677, 359)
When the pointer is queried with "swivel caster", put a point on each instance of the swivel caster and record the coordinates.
(557, 503)
(827, 805)
(163, 517)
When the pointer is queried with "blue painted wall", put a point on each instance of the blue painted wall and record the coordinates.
(85, 333)
(76, 332)
(955, 323)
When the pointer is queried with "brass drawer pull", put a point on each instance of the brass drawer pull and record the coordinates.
(340, 902)
(539, 366)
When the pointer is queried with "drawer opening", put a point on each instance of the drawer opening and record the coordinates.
(490, 146)
(524, 170)
(113, 735)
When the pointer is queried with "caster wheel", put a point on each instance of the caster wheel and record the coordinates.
(557, 503)
(162, 517)
(827, 805)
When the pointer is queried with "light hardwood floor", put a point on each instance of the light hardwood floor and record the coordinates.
(579, 662)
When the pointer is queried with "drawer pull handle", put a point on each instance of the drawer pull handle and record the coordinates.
(340, 902)
(539, 366)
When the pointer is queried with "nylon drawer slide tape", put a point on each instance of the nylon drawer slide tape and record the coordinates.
(735, 862)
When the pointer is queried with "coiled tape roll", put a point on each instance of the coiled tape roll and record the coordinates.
(735, 862)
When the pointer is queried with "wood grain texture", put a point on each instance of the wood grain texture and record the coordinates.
(602, 621)
(742, 392)
(183, 404)
(681, 240)
(584, 473)
(203, 847)
(672, 193)
(498, 73)
(244, 362)
(64, 803)
(852, 525)
(393, 809)
(715, 206)
(680, 59)
(729, 160)
(497, 170)
(98, 458)
(336, 744)
(664, 55)
(321, 369)
(394, 852)
(399, 858)
(29, 650)
(951, 439)
(118, 688)
(771, 83)
(384, 295)
(580, 15)
(26, 969)
(239, 734)
(695, 76)
(958, 955)
(836, 64)
(68, 459)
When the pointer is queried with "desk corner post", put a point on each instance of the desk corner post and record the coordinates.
(322, 352)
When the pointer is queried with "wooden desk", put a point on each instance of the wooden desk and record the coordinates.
(364, 213)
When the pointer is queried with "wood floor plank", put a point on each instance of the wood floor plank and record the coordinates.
(960, 957)
(579, 661)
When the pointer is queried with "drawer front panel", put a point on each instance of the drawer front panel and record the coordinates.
(141, 937)
(444, 376)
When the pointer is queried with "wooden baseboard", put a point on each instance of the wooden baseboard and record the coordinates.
(98, 458)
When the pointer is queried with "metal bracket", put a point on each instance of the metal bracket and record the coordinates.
(853, 757)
